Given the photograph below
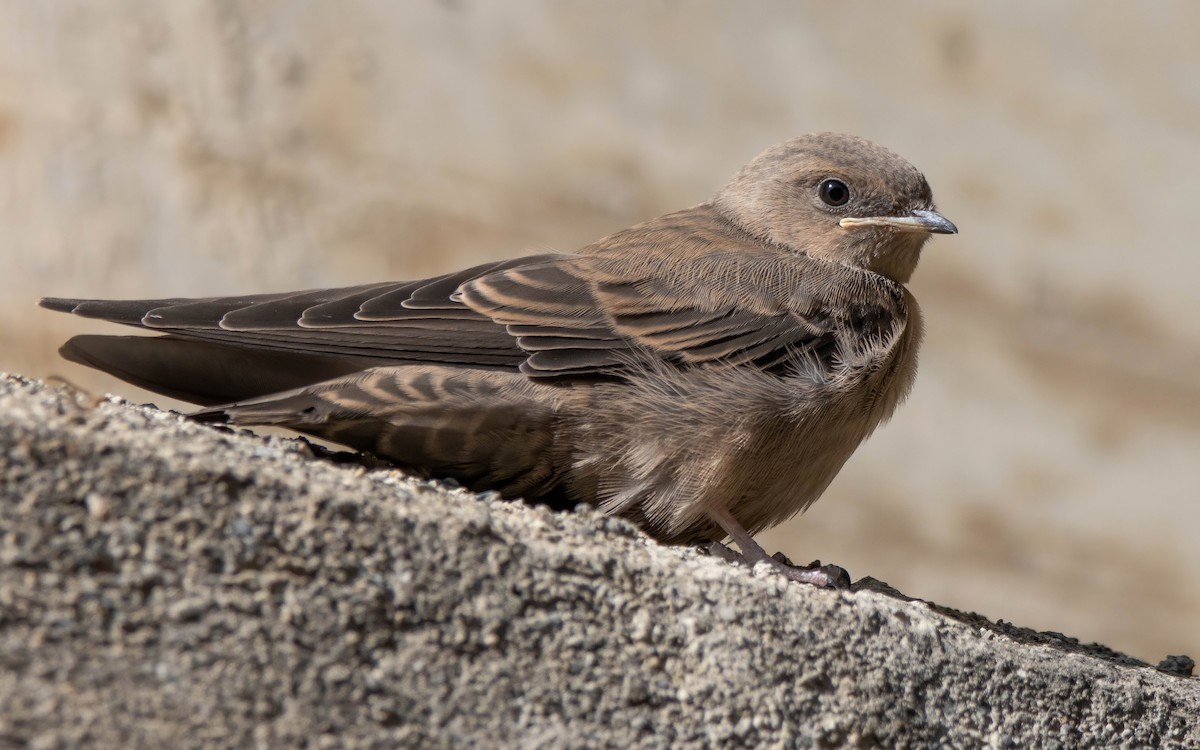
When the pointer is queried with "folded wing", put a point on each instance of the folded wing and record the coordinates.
(603, 315)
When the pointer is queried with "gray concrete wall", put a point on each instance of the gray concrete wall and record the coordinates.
(1044, 470)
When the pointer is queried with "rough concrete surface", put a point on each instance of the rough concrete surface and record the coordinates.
(167, 584)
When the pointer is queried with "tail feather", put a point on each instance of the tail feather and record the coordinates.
(204, 372)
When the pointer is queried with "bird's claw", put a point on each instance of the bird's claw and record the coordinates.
(720, 551)
(816, 574)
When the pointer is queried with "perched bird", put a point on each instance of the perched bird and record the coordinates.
(705, 373)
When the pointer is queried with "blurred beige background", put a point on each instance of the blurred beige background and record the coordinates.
(1044, 471)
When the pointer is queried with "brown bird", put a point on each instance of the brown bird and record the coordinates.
(705, 373)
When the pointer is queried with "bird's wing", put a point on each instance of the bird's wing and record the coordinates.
(389, 323)
(604, 314)
(551, 316)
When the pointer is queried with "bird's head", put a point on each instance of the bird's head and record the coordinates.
(837, 198)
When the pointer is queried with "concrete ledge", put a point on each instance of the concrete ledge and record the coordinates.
(165, 584)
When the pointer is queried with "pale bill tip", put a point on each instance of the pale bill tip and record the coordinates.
(918, 221)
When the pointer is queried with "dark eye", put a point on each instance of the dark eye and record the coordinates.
(834, 192)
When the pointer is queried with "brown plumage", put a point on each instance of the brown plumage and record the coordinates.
(705, 373)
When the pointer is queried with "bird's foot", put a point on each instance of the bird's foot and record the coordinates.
(822, 576)
(718, 550)
(815, 574)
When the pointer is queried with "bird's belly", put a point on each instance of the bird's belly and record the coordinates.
(761, 453)
(794, 472)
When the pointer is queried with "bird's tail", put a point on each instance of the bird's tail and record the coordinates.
(203, 372)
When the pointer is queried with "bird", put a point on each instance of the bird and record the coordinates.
(704, 374)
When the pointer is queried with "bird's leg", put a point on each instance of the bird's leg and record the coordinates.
(825, 576)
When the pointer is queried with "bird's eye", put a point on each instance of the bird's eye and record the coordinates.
(834, 192)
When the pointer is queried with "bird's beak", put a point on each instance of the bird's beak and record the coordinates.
(918, 221)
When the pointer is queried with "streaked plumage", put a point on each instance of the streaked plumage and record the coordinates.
(710, 367)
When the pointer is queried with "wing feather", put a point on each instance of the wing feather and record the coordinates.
(602, 313)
